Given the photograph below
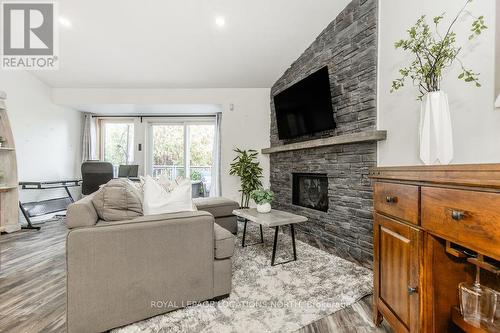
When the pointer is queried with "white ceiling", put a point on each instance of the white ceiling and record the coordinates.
(177, 44)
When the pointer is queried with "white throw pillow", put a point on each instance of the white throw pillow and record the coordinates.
(166, 183)
(158, 201)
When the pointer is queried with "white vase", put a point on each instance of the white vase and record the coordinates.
(264, 208)
(436, 136)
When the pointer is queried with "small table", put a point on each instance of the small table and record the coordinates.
(273, 219)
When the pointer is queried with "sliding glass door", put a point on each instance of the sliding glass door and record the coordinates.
(167, 146)
(182, 149)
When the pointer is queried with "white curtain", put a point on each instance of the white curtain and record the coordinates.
(89, 143)
(215, 186)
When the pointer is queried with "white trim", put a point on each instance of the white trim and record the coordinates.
(180, 120)
(187, 151)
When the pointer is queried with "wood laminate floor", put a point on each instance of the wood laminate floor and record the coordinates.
(33, 287)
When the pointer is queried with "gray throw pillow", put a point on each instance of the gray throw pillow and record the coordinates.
(118, 200)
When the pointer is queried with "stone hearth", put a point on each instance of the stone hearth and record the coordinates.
(348, 46)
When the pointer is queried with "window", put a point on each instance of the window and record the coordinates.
(180, 148)
(117, 141)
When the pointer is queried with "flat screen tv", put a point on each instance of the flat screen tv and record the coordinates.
(306, 107)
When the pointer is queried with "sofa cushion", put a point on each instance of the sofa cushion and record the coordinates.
(224, 242)
(218, 207)
(228, 222)
(81, 213)
(117, 200)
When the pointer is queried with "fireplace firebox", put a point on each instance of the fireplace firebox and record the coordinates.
(310, 190)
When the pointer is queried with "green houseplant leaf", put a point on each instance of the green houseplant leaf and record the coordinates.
(262, 196)
(246, 166)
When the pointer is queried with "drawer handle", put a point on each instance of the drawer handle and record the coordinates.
(457, 215)
(412, 290)
(390, 199)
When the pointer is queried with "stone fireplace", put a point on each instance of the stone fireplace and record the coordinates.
(310, 190)
(334, 191)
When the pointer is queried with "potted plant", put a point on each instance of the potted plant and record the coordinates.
(246, 166)
(263, 198)
(197, 184)
(433, 52)
(2, 141)
(2, 176)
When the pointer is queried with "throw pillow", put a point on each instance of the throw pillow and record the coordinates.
(118, 200)
(166, 183)
(158, 201)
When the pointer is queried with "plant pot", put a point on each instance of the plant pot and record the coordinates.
(436, 136)
(264, 208)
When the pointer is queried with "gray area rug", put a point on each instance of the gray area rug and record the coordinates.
(281, 299)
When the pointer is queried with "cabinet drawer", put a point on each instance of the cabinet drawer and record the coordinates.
(397, 200)
(470, 218)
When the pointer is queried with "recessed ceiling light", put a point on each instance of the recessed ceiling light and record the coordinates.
(64, 22)
(220, 21)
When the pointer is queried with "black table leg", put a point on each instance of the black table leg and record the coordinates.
(244, 232)
(30, 226)
(274, 245)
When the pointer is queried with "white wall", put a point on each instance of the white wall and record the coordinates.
(475, 122)
(47, 136)
(246, 126)
(497, 54)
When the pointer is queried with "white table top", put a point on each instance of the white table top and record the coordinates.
(272, 219)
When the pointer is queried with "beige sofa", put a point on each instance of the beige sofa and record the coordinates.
(122, 272)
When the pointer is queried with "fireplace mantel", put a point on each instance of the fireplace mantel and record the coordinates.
(367, 136)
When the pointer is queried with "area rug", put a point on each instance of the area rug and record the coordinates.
(281, 298)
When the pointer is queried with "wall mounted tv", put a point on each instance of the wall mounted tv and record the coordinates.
(306, 107)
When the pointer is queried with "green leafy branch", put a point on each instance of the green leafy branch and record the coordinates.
(434, 53)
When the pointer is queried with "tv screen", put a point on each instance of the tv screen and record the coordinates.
(306, 107)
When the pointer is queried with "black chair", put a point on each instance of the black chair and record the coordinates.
(94, 174)
(128, 171)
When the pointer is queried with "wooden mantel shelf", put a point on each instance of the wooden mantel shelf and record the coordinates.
(368, 136)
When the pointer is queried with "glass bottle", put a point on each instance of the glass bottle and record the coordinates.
(477, 302)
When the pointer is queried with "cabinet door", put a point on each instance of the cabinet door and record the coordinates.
(396, 253)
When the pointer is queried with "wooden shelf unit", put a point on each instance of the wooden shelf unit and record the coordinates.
(7, 188)
(9, 193)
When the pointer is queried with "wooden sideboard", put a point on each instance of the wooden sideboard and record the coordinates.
(432, 225)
